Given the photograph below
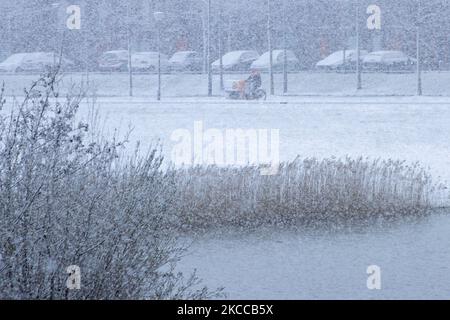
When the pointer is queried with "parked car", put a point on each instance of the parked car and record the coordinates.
(388, 61)
(34, 62)
(116, 60)
(12, 63)
(148, 62)
(342, 60)
(236, 61)
(186, 61)
(293, 63)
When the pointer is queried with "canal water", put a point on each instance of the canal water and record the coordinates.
(413, 256)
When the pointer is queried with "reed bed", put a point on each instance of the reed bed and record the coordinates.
(305, 191)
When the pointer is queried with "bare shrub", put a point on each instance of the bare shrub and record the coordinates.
(66, 199)
(305, 191)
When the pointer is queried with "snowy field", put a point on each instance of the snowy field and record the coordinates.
(303, 83)
(404, 128)
(336, 123)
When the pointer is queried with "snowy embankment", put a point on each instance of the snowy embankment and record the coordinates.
(300, 84)
(408, 128)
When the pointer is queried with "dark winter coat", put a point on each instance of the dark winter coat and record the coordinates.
(255, 81)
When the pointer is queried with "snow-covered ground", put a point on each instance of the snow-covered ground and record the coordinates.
(405, 128)
(303, 83)
(335, 123)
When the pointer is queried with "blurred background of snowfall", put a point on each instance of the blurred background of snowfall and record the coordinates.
(313, 28)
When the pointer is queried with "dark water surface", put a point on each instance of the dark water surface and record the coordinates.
(414, 257)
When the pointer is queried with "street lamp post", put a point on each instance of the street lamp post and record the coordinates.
(418, 52)
(358, 48)
(269, 44)
(221, 54)
(159, 16)
(205, 44)
(58, 30)
(229, 25)
(285, 60)
(209, 51)
(130, 67)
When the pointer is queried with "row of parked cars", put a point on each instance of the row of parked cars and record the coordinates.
(236, 61)
(34, 62)
(344, 60)
(148, 61)
(242, 60)
(386, 61)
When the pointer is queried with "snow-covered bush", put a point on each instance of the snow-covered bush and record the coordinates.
(67, 198)
(308, 191)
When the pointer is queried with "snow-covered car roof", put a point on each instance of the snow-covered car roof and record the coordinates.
(385, 52)
(276, 53)
(35, 56)
(122, 54)
(181, 55)
(15, 58)
(235, 56)
(152, 55)
(18, 59)
(337, 57)
(116, 51)
(385, 55)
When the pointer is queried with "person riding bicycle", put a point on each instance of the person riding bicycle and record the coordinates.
(253, 82)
